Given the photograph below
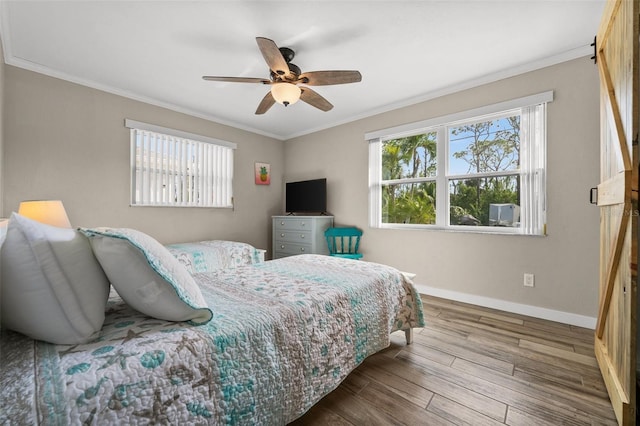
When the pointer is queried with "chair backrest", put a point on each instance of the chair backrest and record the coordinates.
(343, 241)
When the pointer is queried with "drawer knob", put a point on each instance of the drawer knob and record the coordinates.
(282, 223)
(302, 224)
(302, 236)
(301, 248)
(282, 246)
(282, 235)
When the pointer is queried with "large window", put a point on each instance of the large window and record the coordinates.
(480, 170)
(174, 168)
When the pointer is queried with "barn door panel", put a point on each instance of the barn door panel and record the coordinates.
(615, 336)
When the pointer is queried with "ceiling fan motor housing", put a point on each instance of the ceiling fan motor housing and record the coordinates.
(287, 53)
(293, 69)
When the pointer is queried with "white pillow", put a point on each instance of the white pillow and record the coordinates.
(4, 223)
(147, 276)
(53, 288)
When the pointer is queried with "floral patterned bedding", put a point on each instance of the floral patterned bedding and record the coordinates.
(205, 256)
(284, 334)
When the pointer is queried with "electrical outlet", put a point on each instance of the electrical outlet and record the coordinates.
(529, 280)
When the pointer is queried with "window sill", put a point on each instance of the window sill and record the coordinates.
(488, 230)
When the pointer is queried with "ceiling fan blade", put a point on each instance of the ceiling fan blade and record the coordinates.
(236, 79)
(266, 103)
(314, 99)
(273, 57)
(325, 78)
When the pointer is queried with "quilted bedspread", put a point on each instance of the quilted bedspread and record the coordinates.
(205, 256)
(284, 334)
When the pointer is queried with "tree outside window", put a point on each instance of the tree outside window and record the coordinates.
(485, 159)
(409, 165)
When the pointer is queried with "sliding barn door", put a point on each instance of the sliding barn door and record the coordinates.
(615, 336)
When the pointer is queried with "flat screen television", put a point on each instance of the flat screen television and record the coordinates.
(306, 196)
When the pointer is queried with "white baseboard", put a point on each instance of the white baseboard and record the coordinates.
(516, 308)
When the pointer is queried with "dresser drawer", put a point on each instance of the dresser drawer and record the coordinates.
(293, 224)
(301, 237)
(288, 249)
(293, 235)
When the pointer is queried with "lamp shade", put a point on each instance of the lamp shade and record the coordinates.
(285, 93)
(50, 212)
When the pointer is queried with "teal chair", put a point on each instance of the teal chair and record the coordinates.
(344, 242)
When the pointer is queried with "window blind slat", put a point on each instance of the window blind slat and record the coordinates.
(147, 171)
(171, 193)
(221, 170)
(184, 175)
(375, 189)
(199, 172)
(208, 198)
(154, 170)
(178, 175)
(163, 171)
(160, 168)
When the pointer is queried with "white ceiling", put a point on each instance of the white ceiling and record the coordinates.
(407, 51)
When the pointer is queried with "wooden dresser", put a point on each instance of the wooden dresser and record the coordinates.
(299, 235)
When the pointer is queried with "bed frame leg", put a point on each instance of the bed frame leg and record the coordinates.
(408, 333)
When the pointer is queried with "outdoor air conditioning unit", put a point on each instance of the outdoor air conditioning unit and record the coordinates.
(504, 214)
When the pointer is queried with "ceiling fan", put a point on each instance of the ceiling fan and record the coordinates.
(288, 82)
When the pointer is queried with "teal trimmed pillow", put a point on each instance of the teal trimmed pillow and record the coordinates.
(147, 276)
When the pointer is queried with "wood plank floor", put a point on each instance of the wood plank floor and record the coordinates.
(474, 366)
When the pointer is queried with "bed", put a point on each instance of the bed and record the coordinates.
(273, 338)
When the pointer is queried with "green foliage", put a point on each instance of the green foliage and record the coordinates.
(409, 203)
(410, 157)
(406, 158)
(490, 146)
(473, 196)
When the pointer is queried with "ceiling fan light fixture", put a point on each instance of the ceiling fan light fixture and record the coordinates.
(285, 93)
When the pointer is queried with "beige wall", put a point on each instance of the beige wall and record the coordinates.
(66, 141)
(565, 263)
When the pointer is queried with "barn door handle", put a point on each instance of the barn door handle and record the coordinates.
(593, 196)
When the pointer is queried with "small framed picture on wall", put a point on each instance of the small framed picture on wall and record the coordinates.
(263, 173)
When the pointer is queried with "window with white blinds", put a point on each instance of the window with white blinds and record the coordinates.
(481, 170)
(179, 169)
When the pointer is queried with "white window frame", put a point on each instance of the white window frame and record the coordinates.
(532, 172)
(205, 175)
